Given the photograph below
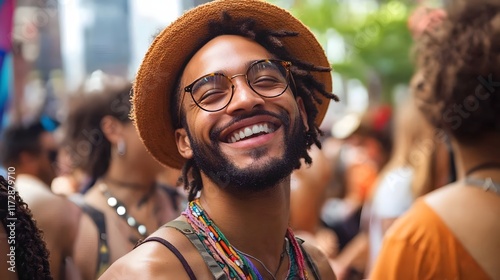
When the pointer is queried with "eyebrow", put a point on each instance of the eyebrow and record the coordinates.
(246, 66)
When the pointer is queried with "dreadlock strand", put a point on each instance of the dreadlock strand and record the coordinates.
(197, 184)
(185, 174)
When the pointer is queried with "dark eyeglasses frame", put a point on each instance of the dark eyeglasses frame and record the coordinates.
(189, 88)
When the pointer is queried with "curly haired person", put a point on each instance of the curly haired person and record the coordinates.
(33, 152)
(30, 258)
(452, 233)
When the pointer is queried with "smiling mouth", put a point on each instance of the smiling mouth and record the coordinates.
(251, 131)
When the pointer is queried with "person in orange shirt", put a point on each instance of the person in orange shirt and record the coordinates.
(452, 233)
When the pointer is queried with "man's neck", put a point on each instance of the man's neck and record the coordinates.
(253, 223)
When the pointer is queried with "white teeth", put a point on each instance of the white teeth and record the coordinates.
(255, 129)
(249, 131)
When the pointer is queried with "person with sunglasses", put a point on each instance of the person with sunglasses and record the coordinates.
(233, 92)
(29, 153)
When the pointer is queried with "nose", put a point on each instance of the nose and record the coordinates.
(244, 98)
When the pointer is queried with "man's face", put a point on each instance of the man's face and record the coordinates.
(258, 160)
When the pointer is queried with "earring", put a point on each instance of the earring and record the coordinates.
(121, 147)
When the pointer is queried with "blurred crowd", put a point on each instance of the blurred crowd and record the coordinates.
(95, 191)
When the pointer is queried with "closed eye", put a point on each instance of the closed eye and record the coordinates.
(212, 96)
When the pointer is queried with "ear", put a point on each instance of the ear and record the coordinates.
(112, 129)
(183, 143)
(303, 113)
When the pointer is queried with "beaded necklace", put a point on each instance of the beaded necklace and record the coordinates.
(122, 212)
(234, 264)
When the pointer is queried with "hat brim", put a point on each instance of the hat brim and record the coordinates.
(174, 46)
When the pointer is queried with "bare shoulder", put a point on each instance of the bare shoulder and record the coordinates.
(145, 262)
(321, 261)
(69, 211)
(153, 260)
(53, 209)
(62, 218)
(458, 197)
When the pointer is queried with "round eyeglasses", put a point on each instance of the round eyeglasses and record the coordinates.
(268, 78)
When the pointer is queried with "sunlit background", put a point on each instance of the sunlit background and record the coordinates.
(56, 45)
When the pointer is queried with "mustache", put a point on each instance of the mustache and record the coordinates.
(282, 116)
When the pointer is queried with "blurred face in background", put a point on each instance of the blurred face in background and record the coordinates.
(361, 171)
(136, 153)
(46, 161)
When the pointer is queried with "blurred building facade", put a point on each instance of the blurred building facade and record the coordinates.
(59, 43)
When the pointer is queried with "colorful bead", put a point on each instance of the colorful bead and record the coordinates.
(235, 265)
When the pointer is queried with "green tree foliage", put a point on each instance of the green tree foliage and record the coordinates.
(377, 43)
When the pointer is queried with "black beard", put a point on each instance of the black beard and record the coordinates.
(254, 178)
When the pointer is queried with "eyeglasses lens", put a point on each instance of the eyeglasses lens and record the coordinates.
(267, 78)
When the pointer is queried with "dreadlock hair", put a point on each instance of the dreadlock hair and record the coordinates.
(32, 257)
(459, 60)
(303, 85)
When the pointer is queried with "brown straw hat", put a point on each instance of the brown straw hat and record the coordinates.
(174, 46)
